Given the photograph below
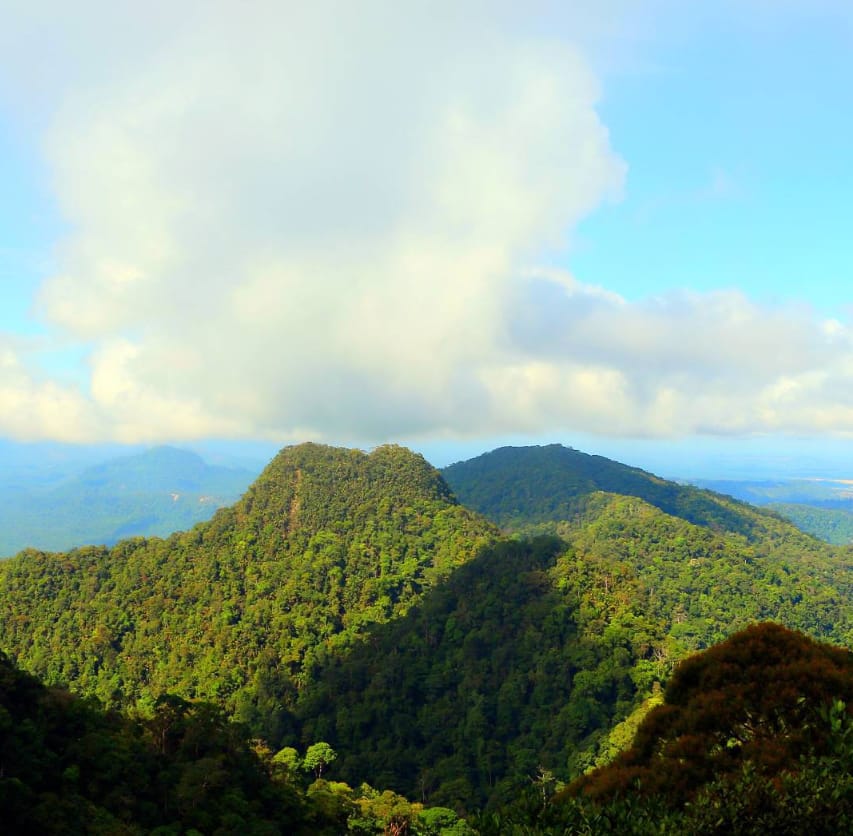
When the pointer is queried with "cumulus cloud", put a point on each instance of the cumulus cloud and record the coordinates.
(317, 221)
(682, 363)
(34, 406)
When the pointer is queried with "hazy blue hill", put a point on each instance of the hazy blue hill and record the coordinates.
(148, 494)
(518, 487)
(158, 469)
(827, 493)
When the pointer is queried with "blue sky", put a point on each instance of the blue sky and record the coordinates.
(738, 139)
(623, 226)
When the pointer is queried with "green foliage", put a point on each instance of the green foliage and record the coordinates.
(766, 697)
(66, 766)
(520, 487)
(766, 789)
(241, 609)
(288, 761)
(622, 735)
(318, 757)
(834, 525)
(530, 654)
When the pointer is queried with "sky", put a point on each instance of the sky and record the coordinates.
(619, 225)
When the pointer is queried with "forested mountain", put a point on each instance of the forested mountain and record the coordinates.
(753, 697)
(68, 767)
(531, 653)
(754, 736)
(238, 609)
(152, 493)
(349, 598)
(520, 487)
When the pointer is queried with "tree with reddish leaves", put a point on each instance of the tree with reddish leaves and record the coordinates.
(757, 699)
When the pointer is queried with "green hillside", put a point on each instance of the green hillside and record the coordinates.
(349, 598)
(530, 654)
(238, 609)
(820, 507)
(753, 737)
(834, 525)
(67, 767)
(519, 487)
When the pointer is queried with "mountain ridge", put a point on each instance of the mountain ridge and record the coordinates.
(519, 487)
(349, 597)
(324, 542)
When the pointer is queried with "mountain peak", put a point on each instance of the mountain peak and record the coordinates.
(519, 486)
(315, 484)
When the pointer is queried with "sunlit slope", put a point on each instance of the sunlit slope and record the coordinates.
(325, 542)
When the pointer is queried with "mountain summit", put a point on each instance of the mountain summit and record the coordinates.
(325, 542)
(523, 486)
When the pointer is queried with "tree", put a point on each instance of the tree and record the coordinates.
(758, 700)
(318, 757)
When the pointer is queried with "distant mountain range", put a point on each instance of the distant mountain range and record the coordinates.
(55, 496)
(152, 493)
(821, 507)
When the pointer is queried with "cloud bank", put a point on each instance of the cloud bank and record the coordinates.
(323, 221)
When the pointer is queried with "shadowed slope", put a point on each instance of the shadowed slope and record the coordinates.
(529, 654)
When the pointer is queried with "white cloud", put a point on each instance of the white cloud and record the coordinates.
(34, 406)
(317, 220)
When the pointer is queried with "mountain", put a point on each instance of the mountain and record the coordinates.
(519, 487)
(530, 654)
(834, 525)
(68, 766)
(239, 609)
(349, 598)
(755, 697)
(826, 493)
(151, 493)
(753, 736)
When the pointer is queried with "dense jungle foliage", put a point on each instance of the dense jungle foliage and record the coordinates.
(834, 525)
(519, 487)
(754, 737)
(238, 609)
(530, 655)
(67, 767)
(348, 598)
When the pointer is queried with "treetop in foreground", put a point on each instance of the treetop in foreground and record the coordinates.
(763, 697)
